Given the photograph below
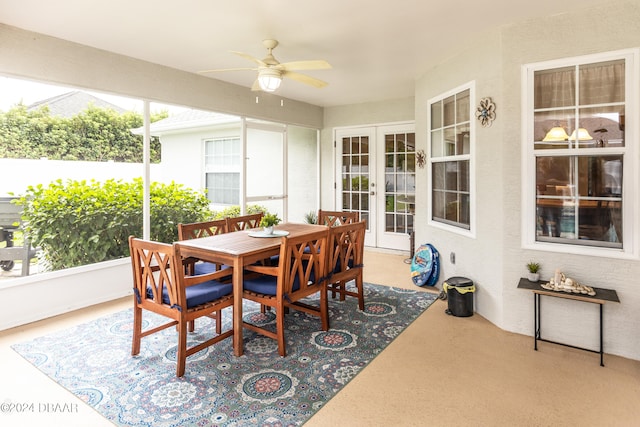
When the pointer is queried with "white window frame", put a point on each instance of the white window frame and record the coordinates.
(230, 167)
(630, 179)
(471, 232)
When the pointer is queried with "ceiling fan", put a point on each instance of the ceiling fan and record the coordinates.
(271, 71)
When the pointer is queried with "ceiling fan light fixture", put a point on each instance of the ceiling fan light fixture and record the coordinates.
(269, 80)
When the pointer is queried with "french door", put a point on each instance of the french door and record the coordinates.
(376, 177)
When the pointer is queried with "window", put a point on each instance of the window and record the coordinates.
(578, 150)
(400, 181)
(450, 135)
(355, 175)
(222, 170)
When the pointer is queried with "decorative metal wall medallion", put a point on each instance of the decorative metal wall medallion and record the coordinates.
(421, 158)
(486, 112)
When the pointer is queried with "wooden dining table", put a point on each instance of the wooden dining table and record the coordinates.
(238, 249)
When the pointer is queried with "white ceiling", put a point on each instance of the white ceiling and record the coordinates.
(377, 49)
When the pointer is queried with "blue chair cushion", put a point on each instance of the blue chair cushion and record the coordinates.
(338, 266)
(206, 267)
(263, 284)
(199, 294)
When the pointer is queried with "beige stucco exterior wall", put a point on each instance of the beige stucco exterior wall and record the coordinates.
(611, 26)
(494, 259)
(478, 258)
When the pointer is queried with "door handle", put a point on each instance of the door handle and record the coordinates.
(373, 193)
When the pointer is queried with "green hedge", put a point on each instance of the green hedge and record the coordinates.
(79, 222)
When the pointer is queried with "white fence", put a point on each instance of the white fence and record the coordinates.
(18, 174)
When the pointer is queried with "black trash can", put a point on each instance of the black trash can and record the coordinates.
(459, 296)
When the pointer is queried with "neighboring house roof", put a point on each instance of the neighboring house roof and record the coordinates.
(71, 103)
(189, 120)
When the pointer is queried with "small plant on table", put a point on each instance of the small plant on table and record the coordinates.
(268, 221)
(534, 271)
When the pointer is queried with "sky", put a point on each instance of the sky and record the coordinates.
(13, 91)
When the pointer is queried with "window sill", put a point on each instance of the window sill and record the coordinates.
(581, 250)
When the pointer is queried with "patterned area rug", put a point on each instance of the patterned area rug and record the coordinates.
(93, 361)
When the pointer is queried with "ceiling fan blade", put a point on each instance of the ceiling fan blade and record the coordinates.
(250, 58)
(256, 86)
(227, 69)
(317, 64)
(303, 78)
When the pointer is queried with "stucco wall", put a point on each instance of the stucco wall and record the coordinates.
(608, 27)
(185, 148)
(18, 174)
(183, 154)
(478, 258)
(495, 259)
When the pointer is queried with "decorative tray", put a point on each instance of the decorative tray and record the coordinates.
(575, 288)
(276, 233)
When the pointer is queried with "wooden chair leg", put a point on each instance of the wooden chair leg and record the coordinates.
(219, 322)
(324, 309)
(181, 357)
(137, 330)
(280, 331)
(192, 325)
(360, 287)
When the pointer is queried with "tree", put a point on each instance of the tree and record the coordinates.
(95, 134)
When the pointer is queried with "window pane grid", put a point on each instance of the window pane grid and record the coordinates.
(399, 181)
(223, 152)
(355, 175)
(450, 132)
(223, 188)
(579, 197)
(572, 103)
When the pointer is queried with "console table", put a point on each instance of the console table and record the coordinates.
(601, 297)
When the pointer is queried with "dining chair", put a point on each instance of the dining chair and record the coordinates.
(247, 222)
(301, 273)
(346, 253)
(332, 218)
(244, 222)
(196, 230)
(161, 286)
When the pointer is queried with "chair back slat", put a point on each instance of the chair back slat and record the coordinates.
(196, 230)
(305, 267)
(333, 218)
(345, 260)
(347, 247)
(244, 222)
(154, 270)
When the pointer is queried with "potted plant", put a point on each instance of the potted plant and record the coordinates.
(268, 221)
(534, 271)
(311, 217)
